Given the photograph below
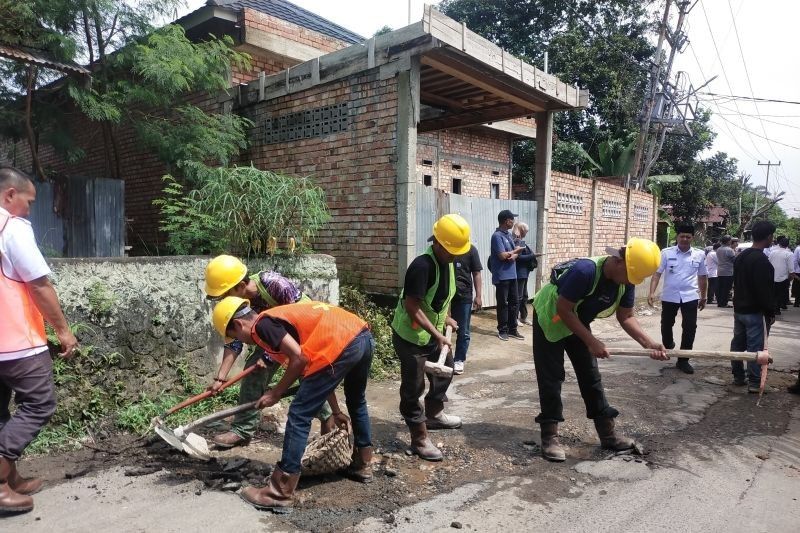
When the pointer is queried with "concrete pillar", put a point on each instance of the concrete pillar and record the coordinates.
(407, 119)
(541, 189)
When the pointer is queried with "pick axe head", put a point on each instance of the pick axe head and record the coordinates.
(438, 368)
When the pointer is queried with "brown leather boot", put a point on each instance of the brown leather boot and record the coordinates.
(229, 439)
(22, 485)
(421, 445)
(360, 468)
(609, 439)
(277, 496)
(10, 500)
(326, 426)
(551, 447)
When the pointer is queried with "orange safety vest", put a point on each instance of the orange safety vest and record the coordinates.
(324, 330)
(22, 326)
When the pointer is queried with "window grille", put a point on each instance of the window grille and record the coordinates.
(570, 204)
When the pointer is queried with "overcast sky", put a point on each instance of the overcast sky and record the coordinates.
(767, 31)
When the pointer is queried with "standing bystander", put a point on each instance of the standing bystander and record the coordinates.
(725, 257)
(782, 261)
(796, 281)
(711, 267)
(27, 300)
(685, 284)
(526, 263)
(503, 265)
(469, 281)
(753, 303)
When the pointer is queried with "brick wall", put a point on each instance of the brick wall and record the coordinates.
(482, 155)
(356, 168)
(579, 228)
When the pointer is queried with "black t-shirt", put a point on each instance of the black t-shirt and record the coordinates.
(464, 266)
(272, 331)
(420, 277)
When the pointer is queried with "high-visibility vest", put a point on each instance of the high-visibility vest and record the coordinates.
(22, 325)
(324, 330)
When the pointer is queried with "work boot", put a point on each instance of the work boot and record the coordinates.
(277, 496)
(421, 445)
(684, 366)
(360, 468)
(10, 500)
(551, 448)
(438, 419)
(794, 389)
(22, 485)
(326, 426)
(229, 439)
(609, 439)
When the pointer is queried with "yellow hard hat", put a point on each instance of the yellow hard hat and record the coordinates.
(224, 312)
(223, 273)
(642, 258)
(452, 232)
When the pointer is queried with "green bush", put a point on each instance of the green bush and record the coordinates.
(384, 363)
(238, 210)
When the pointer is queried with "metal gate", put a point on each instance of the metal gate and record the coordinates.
(481, 213)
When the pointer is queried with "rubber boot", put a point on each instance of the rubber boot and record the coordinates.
(609, 439)
(360, 468)
(326, 426)
(22, 485)
(10, 500)
(277, 496)
(551, 448)
(438, 419)
(421, 445)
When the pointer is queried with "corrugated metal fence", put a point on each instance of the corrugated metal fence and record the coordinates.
(481, 213)
(93, 222)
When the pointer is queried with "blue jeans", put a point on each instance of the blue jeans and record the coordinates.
(748, 335)
(352, 367)
(461, 312)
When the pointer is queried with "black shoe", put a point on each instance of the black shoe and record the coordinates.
(739, 382)
(797, 304)
(516, 335)
(502, 336)
(684, 366)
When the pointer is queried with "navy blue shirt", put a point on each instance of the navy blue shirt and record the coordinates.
(577, 282)
(502, 270)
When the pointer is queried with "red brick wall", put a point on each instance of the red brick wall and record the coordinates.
(610, 214)
(479, 153)
(356, 168)
(567, 233)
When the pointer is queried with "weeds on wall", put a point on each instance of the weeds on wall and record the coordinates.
(384, 363)
(238, 210)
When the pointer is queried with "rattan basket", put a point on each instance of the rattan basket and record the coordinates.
(327, 454)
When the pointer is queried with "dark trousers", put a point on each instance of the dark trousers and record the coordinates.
(796, 291)
(724, 285)
(412, 379)
(548, 357)
(712, 289)
(522, 298)
(31, 381)
(507, 296)
(352, 367)
(669, 310)
(782, 293)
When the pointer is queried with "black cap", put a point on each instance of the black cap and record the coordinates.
(505, 214)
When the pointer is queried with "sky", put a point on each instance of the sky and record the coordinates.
(765, 50)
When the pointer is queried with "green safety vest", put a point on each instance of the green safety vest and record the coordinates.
(267, 297)
(545, 304)
(409, 330)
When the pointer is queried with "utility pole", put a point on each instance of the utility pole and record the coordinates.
(768, 164)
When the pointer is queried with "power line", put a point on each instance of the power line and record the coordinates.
(734, 98)
(756, 134)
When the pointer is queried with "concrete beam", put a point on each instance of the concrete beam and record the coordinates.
(514, 128)
(255, 39)
(408, 105)
(541, 188)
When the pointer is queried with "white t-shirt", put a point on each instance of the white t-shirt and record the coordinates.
(21, 261)
(781, 260)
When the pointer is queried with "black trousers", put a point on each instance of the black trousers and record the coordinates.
(548, 357)
(522, 298)
(724, 285)
(412, 379)
(712, 289)
(507, 297)
(669, 310)
(782, 293)
(796, 291)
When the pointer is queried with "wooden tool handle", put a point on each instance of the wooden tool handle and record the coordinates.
(448, 332)
(694, 354)
(203, 395)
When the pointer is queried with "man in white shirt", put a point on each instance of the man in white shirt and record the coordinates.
(796, 280)
(711, 267)
(782, 260)
(685, 286)
(27, 299)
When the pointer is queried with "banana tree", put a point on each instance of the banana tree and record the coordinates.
(614, 155)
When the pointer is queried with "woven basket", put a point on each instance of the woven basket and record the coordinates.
(327, 454)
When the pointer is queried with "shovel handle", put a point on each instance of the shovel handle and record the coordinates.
(203, 395)
(448, 332)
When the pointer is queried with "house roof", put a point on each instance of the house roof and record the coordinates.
(40, 58)
(291, 13)
(715, 215)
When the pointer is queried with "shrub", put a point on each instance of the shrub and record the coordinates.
(384, 363)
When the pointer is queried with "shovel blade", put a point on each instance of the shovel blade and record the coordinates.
(168, 436)
(196, 446)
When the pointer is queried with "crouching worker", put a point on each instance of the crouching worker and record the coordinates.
(323, 344)
(227, 276)
(578, 292)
